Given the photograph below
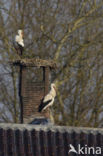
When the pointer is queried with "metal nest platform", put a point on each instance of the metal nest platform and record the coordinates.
(41, 121)
(35, 62)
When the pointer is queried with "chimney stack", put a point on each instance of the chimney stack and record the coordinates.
(34, 82)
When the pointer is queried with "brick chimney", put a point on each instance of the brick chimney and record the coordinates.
(34, 82)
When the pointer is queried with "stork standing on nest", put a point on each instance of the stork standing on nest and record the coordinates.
(20, 42)
(48, 100)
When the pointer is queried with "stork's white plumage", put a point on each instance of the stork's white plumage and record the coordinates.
(48, 99)
(19, 46)
(19, 38)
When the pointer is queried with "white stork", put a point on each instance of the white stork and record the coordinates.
(48, 100)
(20, 42)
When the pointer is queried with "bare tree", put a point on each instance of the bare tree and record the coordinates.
(71, 33)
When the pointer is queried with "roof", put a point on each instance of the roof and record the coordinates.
(36, 140)
(53, 128)
(36, 62)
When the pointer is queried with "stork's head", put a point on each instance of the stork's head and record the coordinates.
(20, 32)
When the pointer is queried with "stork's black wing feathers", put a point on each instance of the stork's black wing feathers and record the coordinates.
(43, 104)
(19, 49)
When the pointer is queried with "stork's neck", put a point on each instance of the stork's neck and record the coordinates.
(53, 91)
(20, 35)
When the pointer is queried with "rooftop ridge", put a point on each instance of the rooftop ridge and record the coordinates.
(52, 128)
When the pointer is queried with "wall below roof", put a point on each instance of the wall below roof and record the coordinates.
(33, 140)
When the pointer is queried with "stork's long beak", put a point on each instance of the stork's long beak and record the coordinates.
(55, 88)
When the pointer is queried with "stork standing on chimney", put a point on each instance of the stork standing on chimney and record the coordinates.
(48, 100)
(20, 42)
